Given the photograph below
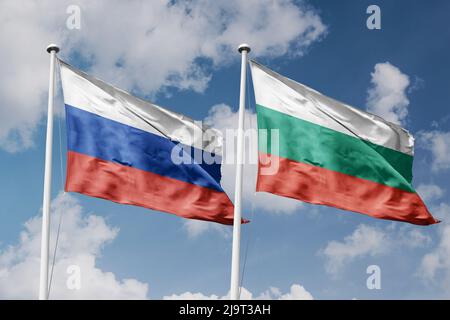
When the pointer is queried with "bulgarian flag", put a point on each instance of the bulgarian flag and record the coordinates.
(318, 150)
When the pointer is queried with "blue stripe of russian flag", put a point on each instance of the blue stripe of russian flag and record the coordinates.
(112, 141)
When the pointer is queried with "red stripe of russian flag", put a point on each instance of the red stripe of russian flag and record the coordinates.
(127, 185)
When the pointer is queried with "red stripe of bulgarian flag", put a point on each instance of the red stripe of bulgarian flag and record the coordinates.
(317, 185)
(315, 149)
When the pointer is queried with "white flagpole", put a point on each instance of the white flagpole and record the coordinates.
(45, 239)
(244, 49)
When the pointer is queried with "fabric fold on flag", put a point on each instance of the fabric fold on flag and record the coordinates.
(332, 154)
(130, 151)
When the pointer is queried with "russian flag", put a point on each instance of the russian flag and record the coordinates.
(130, 151)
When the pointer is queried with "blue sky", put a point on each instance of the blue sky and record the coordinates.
(194, 67)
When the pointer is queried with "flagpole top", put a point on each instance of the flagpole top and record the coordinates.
(244, 47)
(52, 47)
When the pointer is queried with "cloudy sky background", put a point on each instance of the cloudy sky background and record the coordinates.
(183, 56)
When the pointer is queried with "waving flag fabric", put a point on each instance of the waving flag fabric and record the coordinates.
(130, 151)
(332, 154)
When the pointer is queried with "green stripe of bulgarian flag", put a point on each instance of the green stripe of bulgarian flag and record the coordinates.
(309, 143)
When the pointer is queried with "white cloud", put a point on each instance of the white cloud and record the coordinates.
(430, 192)
(435, 265)
(25, 31)
(81, 241)
(387, 96)
(369, 241)
(194, 228)
(140, 45)
(441, 211)
(191, 296)
(296, 292)
(438, 143)
(411, 238)
(364, 241)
